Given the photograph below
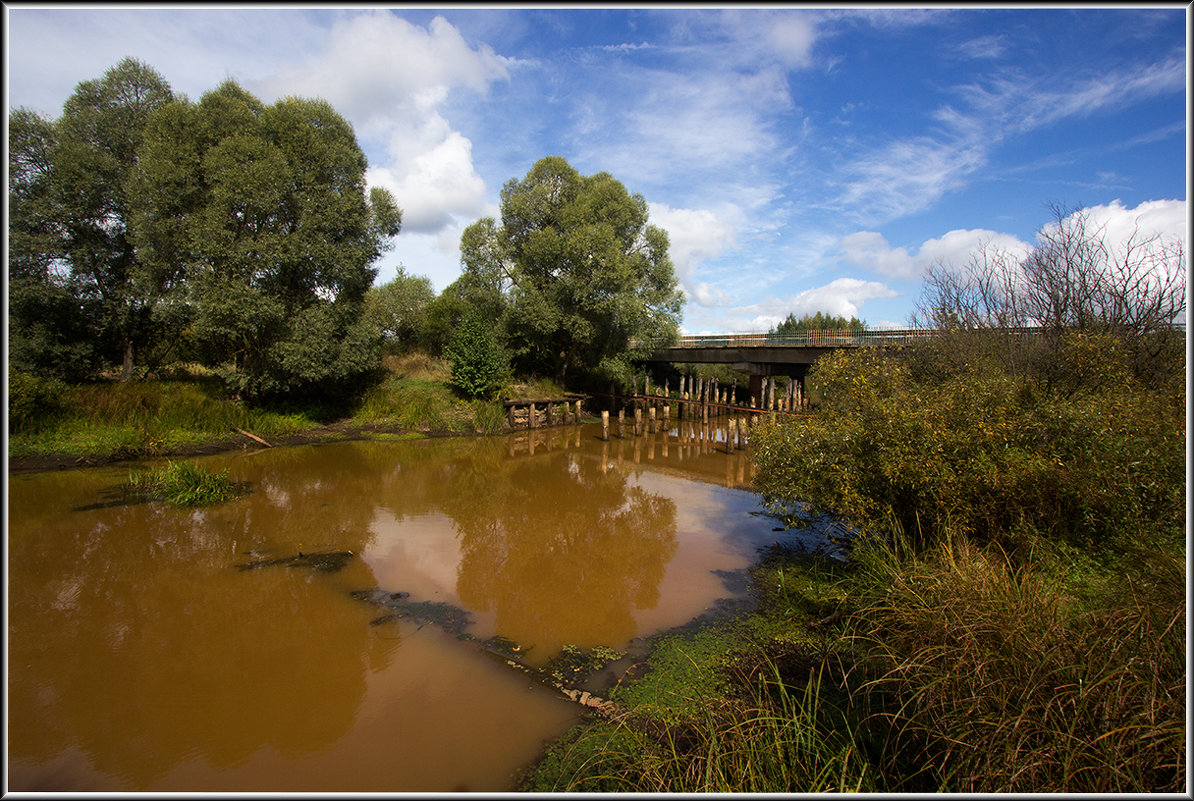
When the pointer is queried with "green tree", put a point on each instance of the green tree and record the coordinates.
(581, 268)
(51, 313)
(264, 211)
(818, 322)
(94, 162)
(479, 366)
(398, 308)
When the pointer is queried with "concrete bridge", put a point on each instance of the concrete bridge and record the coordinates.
(762, 355)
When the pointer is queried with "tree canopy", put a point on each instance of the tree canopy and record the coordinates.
(579, 268)
(93, 166)
(240, 234)
(818, 322)
(262, 211)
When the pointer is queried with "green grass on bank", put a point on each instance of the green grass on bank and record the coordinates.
(951, 670)
(132, 419)
(110, 419)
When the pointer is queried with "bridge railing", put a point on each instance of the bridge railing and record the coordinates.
(829, 338)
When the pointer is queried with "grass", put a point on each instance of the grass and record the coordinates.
(145, 418)
(744, 730)
(1011, 682)
(182, 484)
(955, 669)
(111, 419)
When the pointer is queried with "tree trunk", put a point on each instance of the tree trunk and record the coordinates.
(126, 371)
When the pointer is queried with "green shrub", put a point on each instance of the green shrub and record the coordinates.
(981, 451)
(33, 401)
(479, 367)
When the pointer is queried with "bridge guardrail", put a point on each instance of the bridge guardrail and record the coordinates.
(826, 338)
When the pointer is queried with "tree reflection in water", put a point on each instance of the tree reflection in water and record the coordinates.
(559, 549)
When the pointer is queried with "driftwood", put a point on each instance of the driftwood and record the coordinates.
(253, 437)
(832, 617)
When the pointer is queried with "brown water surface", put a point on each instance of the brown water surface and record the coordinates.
(141, 658)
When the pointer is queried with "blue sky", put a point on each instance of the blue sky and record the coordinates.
(800, 159)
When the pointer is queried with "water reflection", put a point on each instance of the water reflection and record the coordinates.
(141, 658)
(564, 567)
(131, 637)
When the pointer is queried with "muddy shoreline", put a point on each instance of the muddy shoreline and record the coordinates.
(340, 431)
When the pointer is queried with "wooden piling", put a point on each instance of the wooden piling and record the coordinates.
(731, 426)
(638, 421)
(621, 423)
(531, 421)
(651, 420)
(605, 426)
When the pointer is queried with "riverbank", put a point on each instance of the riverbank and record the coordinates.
(58, 426)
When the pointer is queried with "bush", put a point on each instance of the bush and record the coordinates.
(976, 449)
(479, 367)
(33, 401)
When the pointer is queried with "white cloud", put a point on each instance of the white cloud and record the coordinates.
(391, 78)
(437, 185)
(1166, 218)
(694, 235)
(908, 175)
(841, 297)
(871, 251)
(377, 68)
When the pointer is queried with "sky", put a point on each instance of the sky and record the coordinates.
(801, 159)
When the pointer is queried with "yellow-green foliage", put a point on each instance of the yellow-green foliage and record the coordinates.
(983, 451)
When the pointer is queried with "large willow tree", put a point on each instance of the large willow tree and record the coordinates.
(582, 270)
(261, 213)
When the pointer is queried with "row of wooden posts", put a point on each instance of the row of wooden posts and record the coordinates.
(549, 405)
(698, 395)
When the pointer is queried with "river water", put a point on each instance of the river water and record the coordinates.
(142, 659)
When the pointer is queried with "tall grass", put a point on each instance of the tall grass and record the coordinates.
(182, 484)
(1004, 680)
(765, 737)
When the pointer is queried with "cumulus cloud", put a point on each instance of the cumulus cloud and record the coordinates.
(871, 251)
(1113, 221)
(435, 186)
(377, 68)
(841, 297)
(1165, 218)
(391, 78)
(694, 235)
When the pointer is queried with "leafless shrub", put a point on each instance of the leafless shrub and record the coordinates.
(1075, 280)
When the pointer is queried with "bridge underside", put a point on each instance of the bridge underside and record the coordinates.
(756, 361)
(761, 361)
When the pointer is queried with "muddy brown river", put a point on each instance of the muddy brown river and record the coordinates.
(140, 658)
